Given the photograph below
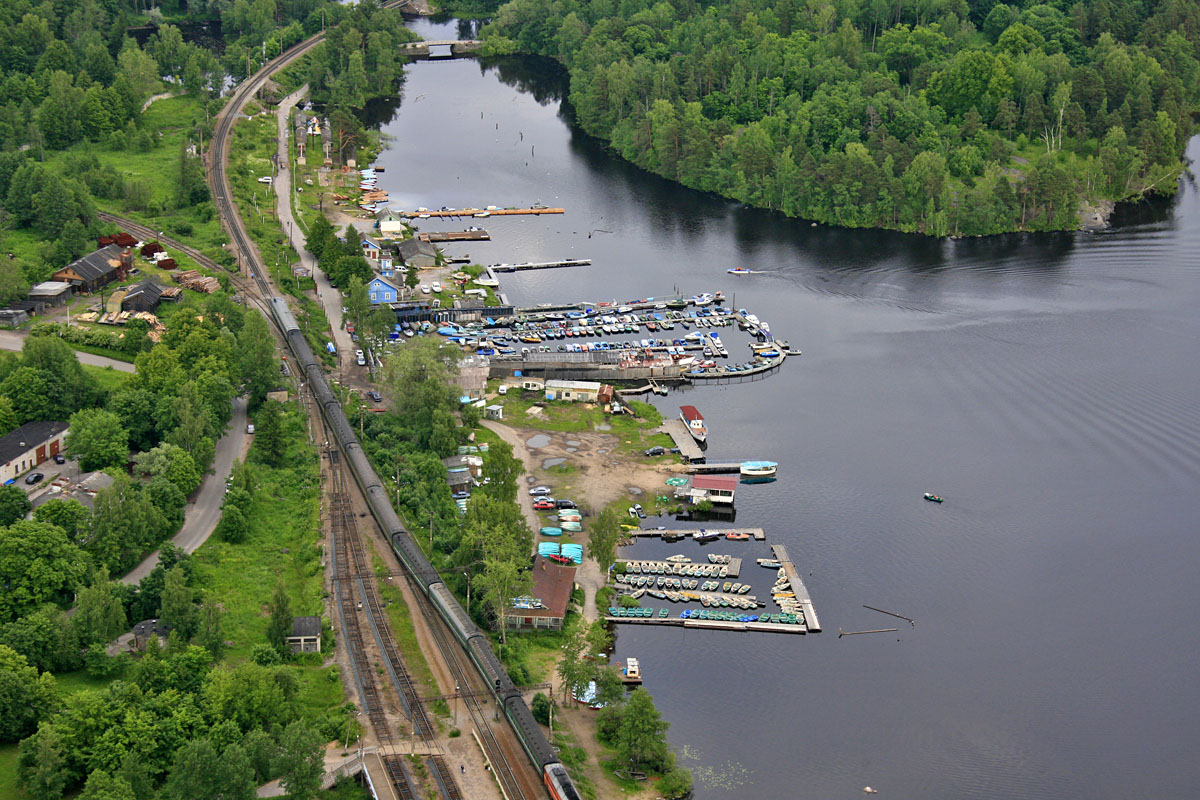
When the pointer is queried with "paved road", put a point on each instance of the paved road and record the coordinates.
(330, 297)
(203, 514)
(15, 340)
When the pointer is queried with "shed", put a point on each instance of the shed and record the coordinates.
(30, 445)
(587, 391)
(495, 412)
(717, 489)
(416, 253)
(97, 269)
(547, 604)
(51, 293)
(12, 317)
(306, 635)
(142, 297)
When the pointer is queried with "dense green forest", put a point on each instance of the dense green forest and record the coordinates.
(937, 116)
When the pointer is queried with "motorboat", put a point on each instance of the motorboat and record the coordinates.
(738, 271)
(694, 421)
(758, 470)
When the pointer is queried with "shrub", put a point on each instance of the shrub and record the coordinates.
(265, 655)
(541, 708)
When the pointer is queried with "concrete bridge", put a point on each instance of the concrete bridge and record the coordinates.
(457, 48)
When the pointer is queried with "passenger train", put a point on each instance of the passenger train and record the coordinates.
(474, 642)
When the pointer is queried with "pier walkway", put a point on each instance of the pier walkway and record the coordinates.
(480, 212)
(566, 262)
(758, 534)
(712, 624)
(688, 448)
(798, 587)
(455, 236)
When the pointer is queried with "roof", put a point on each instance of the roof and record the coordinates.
(151, 626)
(385, 282)
(367, 241)
(415, 247)
(27, 437)
(552, 584)
(306, 626)
(49, 289)
(690, 413)
(98, 263)
(723, 483)
(582, 386)
(147, 287)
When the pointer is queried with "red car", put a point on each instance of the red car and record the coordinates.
(543, 504)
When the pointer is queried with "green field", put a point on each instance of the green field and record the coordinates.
(8, 774)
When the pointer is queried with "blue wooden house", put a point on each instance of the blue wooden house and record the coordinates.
(381, 291)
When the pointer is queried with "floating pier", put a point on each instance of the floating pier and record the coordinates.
(758, 534)
(688, 448)
(798, 587)
(481, 212)
(712, 624)
(566, 262)
(732, 569)
(455, 236)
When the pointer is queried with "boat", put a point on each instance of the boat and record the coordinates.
(678, 559)
(559, 559)
(758, 470)
(737, 537)
(694, 422)
(491, 283)
(573, 527)
(551, 531)
(706, 536)
(933, 498)
(738, 271)
(772, 563)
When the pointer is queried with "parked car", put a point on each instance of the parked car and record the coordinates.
(60, 459)
(33, 478)
(265, 179)
(375, 396)
(655, 451)
(250, 428)
(461, 495)
(540, 490)
(564, 503)
(544, 504)
(362, 359)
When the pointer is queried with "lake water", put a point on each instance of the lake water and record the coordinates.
(1044, 385)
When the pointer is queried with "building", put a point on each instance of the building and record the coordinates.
(306, 635)
(371, 248)
(97, 269)
(391, 226)
(12, 317)
(472, 376)
(380, 290)
(51, 293)
(143, 296)
(547, 604)
(471, 462)
(716, 489)
(494, 412)
(415, 253)
(145, 630)
(575, 391)
(30, 445)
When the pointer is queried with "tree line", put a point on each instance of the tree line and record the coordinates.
(944, 117)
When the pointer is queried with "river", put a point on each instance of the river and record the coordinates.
(1044, 385)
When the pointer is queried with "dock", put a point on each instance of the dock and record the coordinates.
(733, 568)
(798, 587)
(758, 534)
(566, 262)
(714, 467)
(688, 448)
(481, 212)
(711, 624)
(455, 236)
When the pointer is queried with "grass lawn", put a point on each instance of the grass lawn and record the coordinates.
(634, 432)
(8, 774)
(109, 378)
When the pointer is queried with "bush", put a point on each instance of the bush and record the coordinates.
(676, 783)
(541, 708)
(100, 664)
(454, 733)
(265, 655)
(628, 602)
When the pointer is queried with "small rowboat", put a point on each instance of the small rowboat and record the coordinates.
(933, 498)
(551, 531)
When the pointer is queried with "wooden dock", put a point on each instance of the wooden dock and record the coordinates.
(481, 212)
(683, 440)
(566, 262)
(798, 587)
(758, 534)
(732, 568)
(455, 236)
(711, 624)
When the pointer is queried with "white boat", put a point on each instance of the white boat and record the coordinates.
(694, 422)
(758, 469)
(705, 299)
(489, 282)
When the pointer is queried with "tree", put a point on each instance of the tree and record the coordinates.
(575, 665)
(98, 439)
(233, 524)
(200, 774)
(42, 767)
(14, 504)
(45, 638)
(171, 462)
(25, 696)
(99, 612)
(603, 537)
(642, 737)
(677, 783)
(280, 626)
(102, 786)
(256, 358)
(540, 706)
(300, 763)
(211, 635)
(37, 565)
(178, 603)
(269, 436)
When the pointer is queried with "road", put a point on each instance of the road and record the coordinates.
(329, 297)
(15, 340)
(204, 512)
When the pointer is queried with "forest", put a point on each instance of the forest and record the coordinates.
(942, 117)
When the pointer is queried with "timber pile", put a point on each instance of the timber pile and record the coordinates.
(192, 279)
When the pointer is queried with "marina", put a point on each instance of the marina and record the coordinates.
(801, 592)
(757, 534)
(479, 212)
(711, 624)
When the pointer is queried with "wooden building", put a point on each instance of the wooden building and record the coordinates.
(97, 269)
(547, 604)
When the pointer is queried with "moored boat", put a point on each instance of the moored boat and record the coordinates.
(551, 531)
(758, 470)
(694, 421)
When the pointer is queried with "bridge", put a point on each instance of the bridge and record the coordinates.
(423, 50)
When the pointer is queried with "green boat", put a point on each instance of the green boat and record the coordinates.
(551, 531)
(933, 498)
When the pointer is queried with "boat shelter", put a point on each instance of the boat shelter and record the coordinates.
(716, 489)
(547, 604)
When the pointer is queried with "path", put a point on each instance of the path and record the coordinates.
(162, 96)
(204, 512)
(15, 340)
(329, 297)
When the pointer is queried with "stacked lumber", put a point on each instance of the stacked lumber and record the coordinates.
(192, 279)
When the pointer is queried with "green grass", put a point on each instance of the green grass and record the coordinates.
(110, 379)
(80, 680)
(635, 433)
(8, 774)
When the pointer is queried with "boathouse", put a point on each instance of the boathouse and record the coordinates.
(547, 603)
(716, 489)
(574, 391)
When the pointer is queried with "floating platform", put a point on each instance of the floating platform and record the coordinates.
(683, 440)
(712, 624)
(455, 236)
(798, 587)
(485, 212)
(733, 568)
(566, 262)
(758, 534)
